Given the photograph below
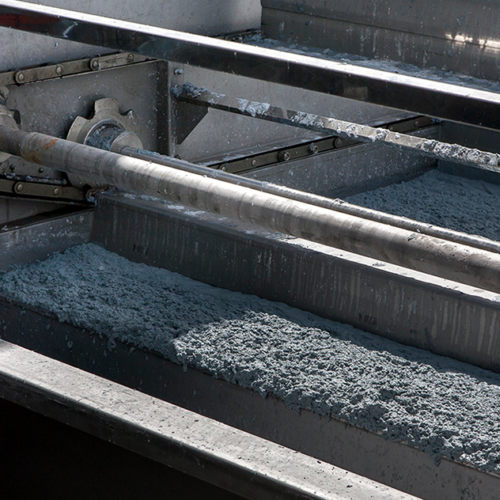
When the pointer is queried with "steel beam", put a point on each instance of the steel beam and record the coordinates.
(438, 99)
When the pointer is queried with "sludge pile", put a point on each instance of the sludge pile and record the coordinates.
(436, 404)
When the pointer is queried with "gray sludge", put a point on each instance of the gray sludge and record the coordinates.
(442, 200)
(439, 405)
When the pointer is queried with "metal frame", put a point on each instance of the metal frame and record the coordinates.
(35, 237)
(329, 440)
(442, 100)
(304, 150)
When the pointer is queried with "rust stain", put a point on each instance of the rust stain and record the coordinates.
(50, 144)
(32, 156)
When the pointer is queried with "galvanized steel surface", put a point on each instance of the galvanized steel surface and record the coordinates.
(459, 35)
(193, 16)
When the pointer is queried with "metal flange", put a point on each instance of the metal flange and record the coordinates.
(107, 129)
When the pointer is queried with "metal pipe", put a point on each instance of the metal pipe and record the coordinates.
(433, 98)
(379, 241)
(318, 201)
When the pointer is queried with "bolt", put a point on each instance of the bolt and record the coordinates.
(391, 128)
(313, 149)
(95, 64)
(19, 187)
(417, 123)
(41, 170)
(57, 191)
(20, 77)
(130, 58)
(224, 167)
(59, 70)
(283, 156)
(338, 142)
(178, 71)
(254, 162)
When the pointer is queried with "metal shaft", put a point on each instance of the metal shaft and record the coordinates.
(398, 246)
(319, 201)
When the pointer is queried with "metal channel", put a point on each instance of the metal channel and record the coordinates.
(460, 36)
(408, 307)
(348, 130)
(441, 100)
(211, 451)
(330, 440)
(305, 150)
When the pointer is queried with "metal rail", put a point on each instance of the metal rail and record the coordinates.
(438, 99)
(379, 241)
(213, 452)
(431, 148)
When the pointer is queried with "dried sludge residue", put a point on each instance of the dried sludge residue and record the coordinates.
(444, 407)
(440, 199)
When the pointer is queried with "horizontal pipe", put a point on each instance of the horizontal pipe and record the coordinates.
(417, 251)
(428, 97)
(318, 201)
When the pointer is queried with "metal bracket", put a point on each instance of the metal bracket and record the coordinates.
(186, 119)
(185, 116)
